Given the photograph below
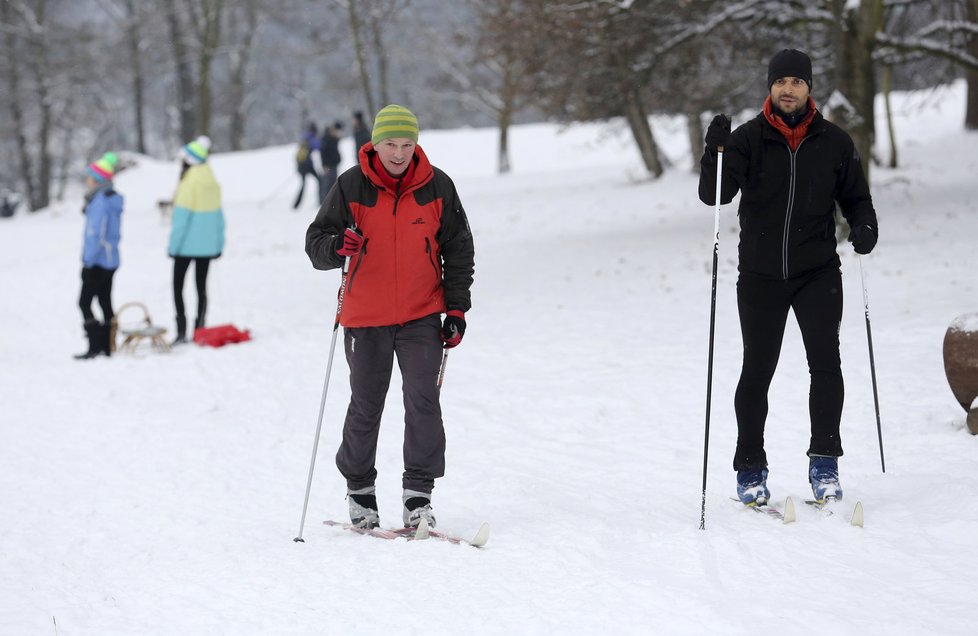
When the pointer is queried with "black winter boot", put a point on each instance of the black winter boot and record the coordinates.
(105, 338)
(181, 331)
(92, 330)
(201, 312)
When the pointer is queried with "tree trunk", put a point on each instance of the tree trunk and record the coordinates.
(361, 56)
(136, 68)
(694, 128)
(16, 111)
(38, 63)
(854, 34)
(67, 154)
(209, 40)
(887, 77)
(971, 113)
(503, 165)
(185, 80)
(381, 53)
(239, 67)
(638, 121)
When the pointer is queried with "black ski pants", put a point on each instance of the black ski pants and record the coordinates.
(180, 266)
(370, 353)
(311, 171)
(96, 283)
(816, 298)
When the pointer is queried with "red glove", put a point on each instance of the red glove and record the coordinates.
(453, 328)
(349, 242)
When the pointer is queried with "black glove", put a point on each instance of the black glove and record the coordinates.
(453, 328)
(863, 238)
(718, 134)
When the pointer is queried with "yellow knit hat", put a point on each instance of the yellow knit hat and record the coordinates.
(394, 121)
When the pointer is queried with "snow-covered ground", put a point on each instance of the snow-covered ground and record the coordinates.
(159, 494)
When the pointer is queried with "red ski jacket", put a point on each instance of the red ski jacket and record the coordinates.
(417, 256)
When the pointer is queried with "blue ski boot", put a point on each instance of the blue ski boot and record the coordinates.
(752, 486)
(823, 474)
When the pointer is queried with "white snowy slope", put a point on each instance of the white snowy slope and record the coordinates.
(159, 494)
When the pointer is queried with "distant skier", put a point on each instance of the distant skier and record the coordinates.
(197, 232)
(361, 132)
(792, 167)
(306, 163)
(329, 149)
(420, 265)
(100, 252)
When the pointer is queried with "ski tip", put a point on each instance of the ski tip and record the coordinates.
(481, 537)
(422, 532)
(789, 510)
(857, 515)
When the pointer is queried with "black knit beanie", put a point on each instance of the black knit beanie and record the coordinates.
(790, 63)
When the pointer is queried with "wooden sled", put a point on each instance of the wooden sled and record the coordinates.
(133, 335)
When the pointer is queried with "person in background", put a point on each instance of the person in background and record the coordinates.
(307, 163)
(329, 148)
(792, 167)
(100, 253)
(197, 231)
(420, 265)
(361, 132)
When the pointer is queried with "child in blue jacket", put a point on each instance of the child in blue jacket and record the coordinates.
(100, 252)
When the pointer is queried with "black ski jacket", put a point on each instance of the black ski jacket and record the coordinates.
(788, 199)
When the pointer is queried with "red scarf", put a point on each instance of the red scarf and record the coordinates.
(792, 135)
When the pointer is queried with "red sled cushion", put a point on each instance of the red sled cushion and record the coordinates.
(220, 335)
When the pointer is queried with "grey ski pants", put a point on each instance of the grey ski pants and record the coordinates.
(370, 354)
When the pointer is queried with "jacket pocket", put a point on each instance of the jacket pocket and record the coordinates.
(431, 256)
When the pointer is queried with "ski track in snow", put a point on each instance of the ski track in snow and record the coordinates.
(159, 494)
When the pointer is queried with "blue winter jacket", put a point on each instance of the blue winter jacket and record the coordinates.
(103, 220)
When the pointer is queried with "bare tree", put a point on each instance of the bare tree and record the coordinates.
(207, 16)
(245, 27)
(129, 17)
(358, 45)
(13, 96)
(971, 116)
(184, 72)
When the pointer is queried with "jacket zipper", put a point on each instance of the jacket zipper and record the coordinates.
(397, 197)
(356, 268)
(791, 204)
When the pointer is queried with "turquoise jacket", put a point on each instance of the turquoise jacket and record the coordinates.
(198, 220)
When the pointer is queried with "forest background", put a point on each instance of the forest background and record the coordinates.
(80, 77)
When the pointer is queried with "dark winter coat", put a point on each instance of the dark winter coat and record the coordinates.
(361, 135)
(417, 256)
(788, 199)
(329, 149)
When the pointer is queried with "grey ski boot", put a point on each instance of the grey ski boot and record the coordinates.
(363, 507)
(417, 506)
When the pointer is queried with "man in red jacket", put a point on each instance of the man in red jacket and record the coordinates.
(400, 222)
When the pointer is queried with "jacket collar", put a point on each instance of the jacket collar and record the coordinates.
(416, 176)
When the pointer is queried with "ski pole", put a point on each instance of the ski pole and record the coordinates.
(322, 401)
(713, 316)
(441, 370)
(278, 188)
(872, 362)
